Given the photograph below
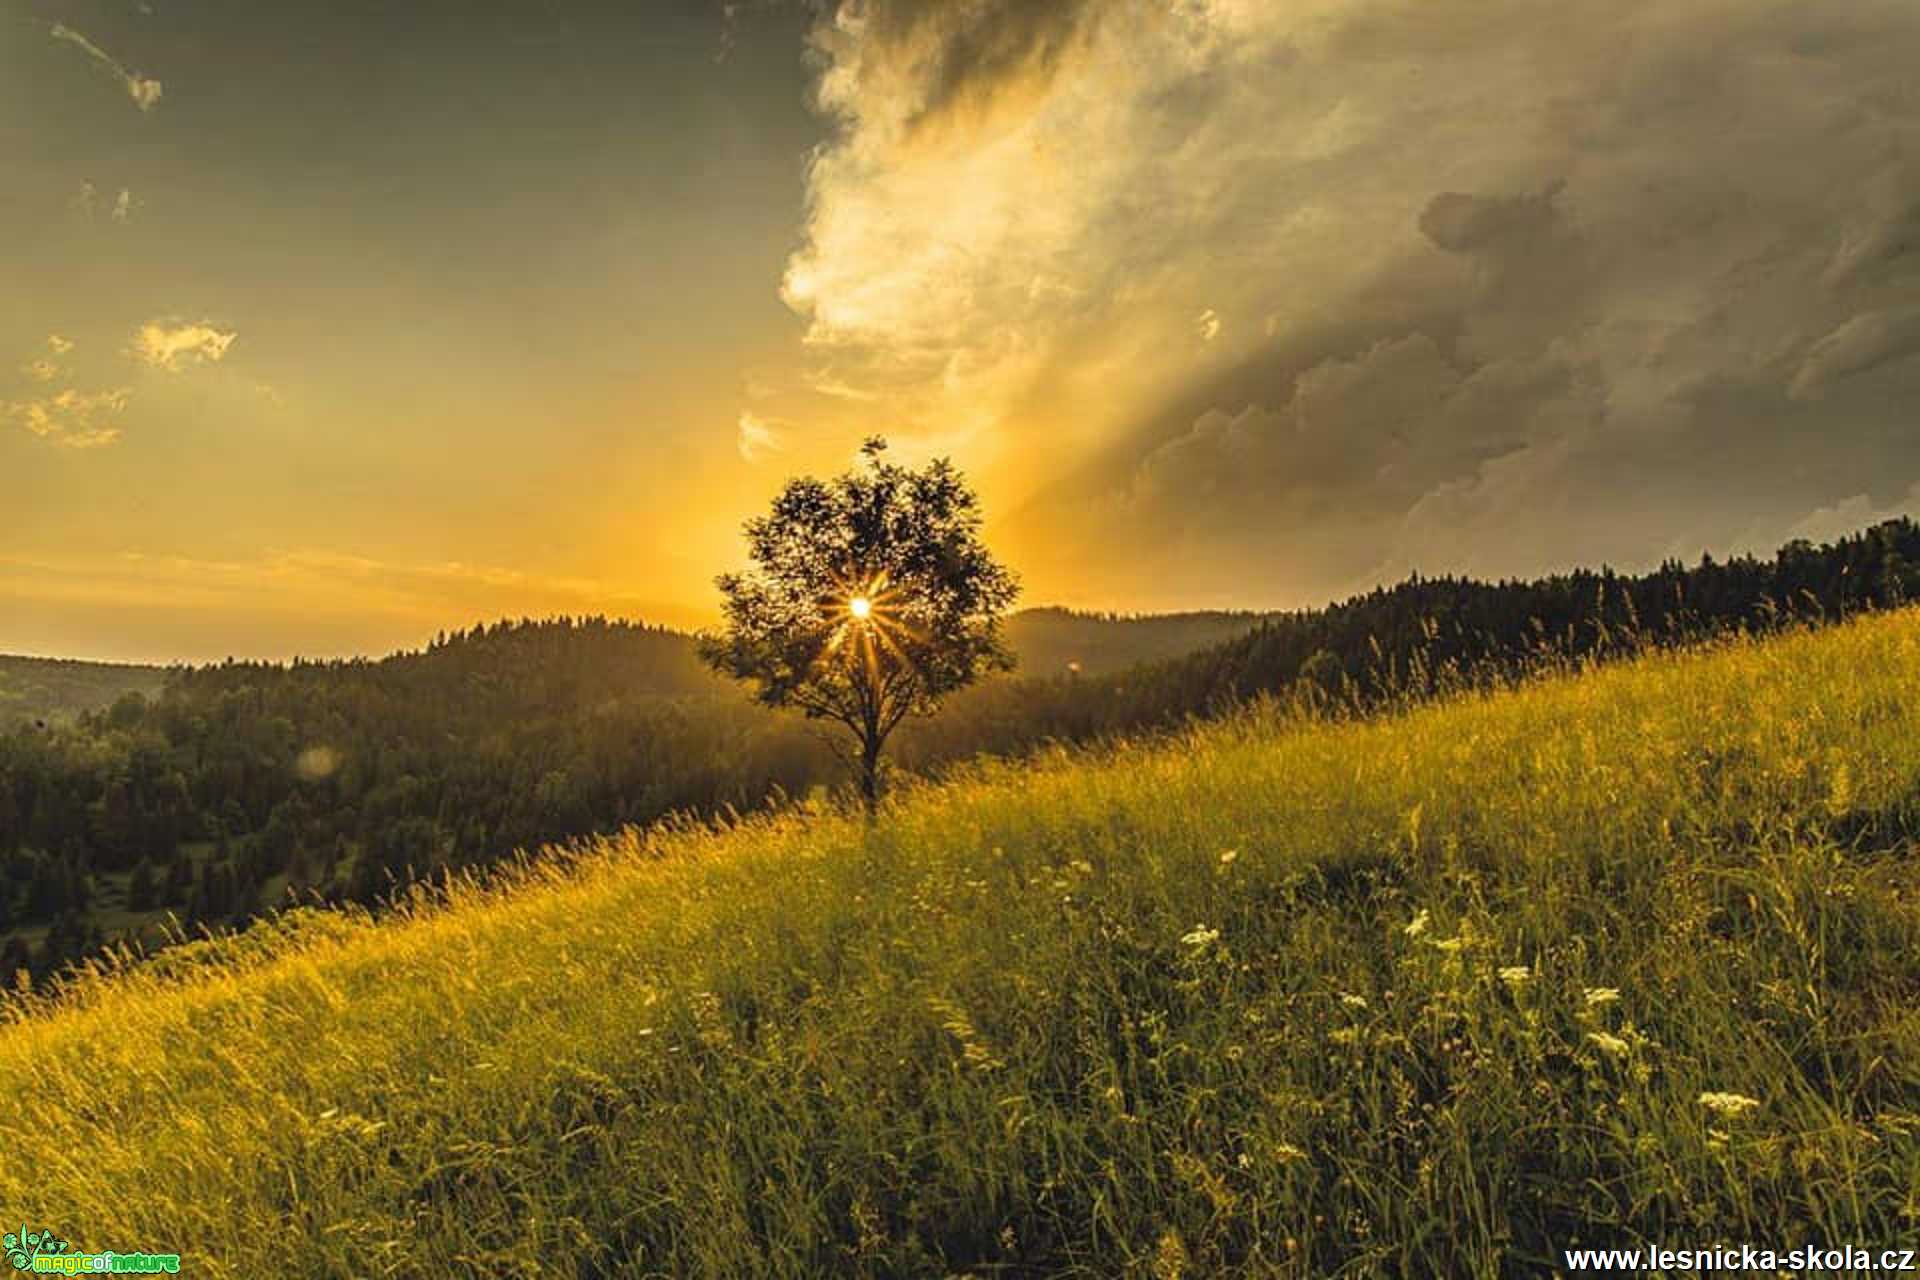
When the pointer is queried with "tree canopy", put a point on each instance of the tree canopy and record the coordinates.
(870, 598)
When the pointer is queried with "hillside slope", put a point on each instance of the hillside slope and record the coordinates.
(1628, 955)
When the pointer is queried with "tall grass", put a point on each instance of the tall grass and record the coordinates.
(1630, 954)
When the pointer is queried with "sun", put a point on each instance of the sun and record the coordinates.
(860, 607)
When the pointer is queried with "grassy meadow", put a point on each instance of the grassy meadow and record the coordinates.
(1625, 954)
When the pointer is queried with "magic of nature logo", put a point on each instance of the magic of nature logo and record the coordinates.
(41, 1251)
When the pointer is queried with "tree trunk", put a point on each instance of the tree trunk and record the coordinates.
(870, 775)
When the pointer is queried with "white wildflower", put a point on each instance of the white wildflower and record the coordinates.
(1515, 975)
(1201, 936)
(1612, 1044)
(1419, 925)
(1227, 857)
(1597, 996)
(1728, 1104)
(1352, 1001)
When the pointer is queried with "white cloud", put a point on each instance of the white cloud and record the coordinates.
(755, 437)
(1850, 515)
(43, 368)
(174, 345)
(144, 90)
(72, 419)
(1019, 186)
(89, 201)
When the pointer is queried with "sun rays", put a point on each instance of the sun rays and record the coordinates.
(869, 620)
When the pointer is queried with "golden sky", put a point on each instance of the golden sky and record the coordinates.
(326, 326)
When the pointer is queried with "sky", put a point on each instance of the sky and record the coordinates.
(327, 326)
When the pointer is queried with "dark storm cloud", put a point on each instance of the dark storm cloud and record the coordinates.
(1654, 277)
(1865, 341)
(1463, 223)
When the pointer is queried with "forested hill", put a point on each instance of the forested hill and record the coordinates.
(242, 782)
(562, 662)
(1424, 626)
(1423, 631)
(504, 669)
(63, 688)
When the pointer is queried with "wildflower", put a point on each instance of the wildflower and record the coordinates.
(1419, 925)
(1515, 974)
(1450, 945)
(1201, 936)
(1081, 865)
(1728, 1104)
(1227, 857)
(1170, 1259)
(1612, 1044)
(1353, 1001)
(1597, 996)
(1287, 1153)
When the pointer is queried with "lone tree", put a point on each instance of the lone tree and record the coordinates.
(870, 598)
